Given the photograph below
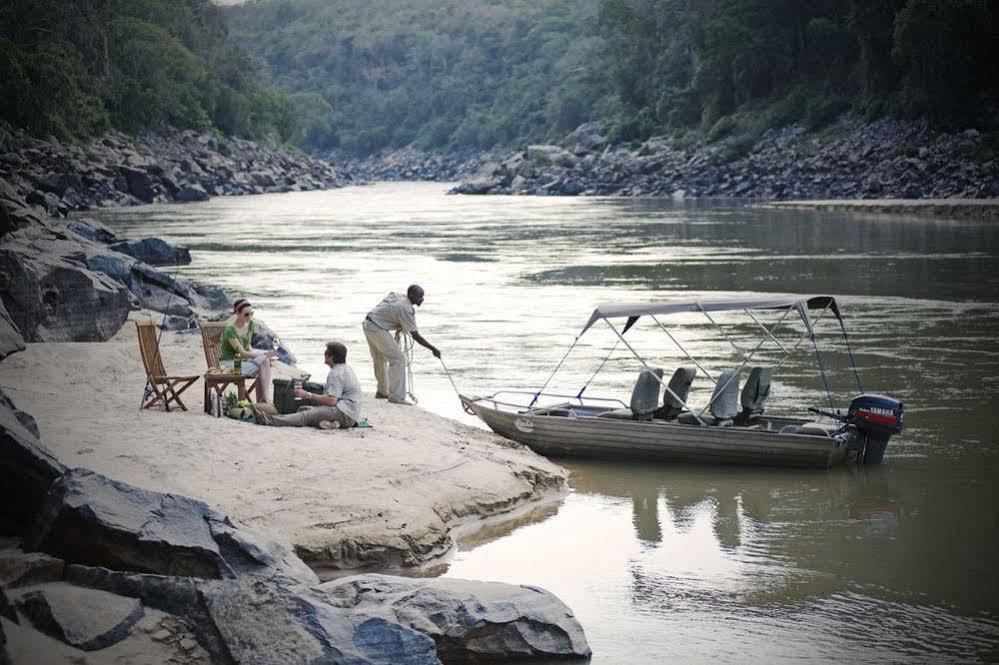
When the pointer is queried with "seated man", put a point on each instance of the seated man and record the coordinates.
(340, 407)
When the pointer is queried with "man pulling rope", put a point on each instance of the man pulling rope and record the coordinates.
(396, 312)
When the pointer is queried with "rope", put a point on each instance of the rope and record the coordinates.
(405, 340)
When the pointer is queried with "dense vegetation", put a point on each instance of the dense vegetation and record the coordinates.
(480, 73)
(681, 63)
(442, 73)
(76, 68)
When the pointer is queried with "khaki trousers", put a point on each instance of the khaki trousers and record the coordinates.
(389, 361)
(309, 416)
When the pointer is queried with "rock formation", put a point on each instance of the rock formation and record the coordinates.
(885, 159)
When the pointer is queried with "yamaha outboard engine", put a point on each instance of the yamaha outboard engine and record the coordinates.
(873, 419)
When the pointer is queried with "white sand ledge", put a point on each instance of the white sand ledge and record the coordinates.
(392, 494)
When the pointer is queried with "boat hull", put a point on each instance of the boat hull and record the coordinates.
(606, 438)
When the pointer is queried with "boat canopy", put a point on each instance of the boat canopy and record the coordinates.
(633, 311)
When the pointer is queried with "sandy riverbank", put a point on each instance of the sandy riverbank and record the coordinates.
(986, 210)
(390, 494)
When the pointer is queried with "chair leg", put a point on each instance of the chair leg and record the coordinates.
(158, 395)
(208, 408)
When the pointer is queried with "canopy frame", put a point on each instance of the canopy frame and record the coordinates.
(633, 312)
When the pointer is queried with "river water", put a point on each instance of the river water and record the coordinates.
(896, 563)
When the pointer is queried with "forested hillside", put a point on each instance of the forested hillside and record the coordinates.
(75, 68)
(480, 73)
(442, 73)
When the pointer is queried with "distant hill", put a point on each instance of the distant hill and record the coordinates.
(450, 74)
(441, 73)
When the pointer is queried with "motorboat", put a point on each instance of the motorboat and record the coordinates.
(734, 427)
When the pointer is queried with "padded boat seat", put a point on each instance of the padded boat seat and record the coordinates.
(724, 404)
(754, 396)
(811, 429)
(679, 385)
(644, 398)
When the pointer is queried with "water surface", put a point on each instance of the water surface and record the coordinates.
(662, 562)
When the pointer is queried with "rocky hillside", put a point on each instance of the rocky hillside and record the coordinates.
(885, 159)
(117, 169)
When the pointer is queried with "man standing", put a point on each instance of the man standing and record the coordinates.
(395, 312)
(339, 407)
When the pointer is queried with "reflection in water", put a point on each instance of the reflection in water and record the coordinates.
(894, 563)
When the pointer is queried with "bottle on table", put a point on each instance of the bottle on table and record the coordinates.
(237, 365)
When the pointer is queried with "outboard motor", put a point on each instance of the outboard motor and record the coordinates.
(873, 419)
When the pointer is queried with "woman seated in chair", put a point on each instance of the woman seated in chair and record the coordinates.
(236, 338)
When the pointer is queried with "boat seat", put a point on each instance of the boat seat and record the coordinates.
(811, 429)
(724, 404)
(754, 396)
(679, 384)
(644, 398)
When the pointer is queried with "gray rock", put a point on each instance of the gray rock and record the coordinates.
(173, 595)
(586, 138)
(210, 298)
(266, 622)
(89, 518)
(469, 621)
(141, 184)
(154, 251)
(86, 619)
(55, 299)
(92, 231)
(7, 610)
(192, 194)
(19, 568)
(265, 338)
(27, 470)
(177, 323)
(11, 340)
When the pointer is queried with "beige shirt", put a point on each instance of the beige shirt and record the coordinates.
(395, 312)
(342, 382)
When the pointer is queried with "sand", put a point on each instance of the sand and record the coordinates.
(392, 494)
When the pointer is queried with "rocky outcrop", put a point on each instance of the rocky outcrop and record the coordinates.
(11, 340)
(69, 282)
(87, 518)
(154, 251)
(27, 470)
(412, 164)
(116, 169)
(19, 568)
(470, 622)
(83, 618)
(885, 159)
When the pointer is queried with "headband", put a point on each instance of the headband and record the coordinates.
(240, 304)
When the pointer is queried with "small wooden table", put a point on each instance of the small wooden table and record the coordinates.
(219, 383)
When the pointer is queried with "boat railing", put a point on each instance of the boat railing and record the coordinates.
(526, 404)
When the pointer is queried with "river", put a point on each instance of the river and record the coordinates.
(894, 563)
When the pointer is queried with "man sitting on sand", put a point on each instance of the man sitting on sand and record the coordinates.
(339, 407)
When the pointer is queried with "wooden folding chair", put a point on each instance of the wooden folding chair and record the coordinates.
(211, 340)
(166, 389)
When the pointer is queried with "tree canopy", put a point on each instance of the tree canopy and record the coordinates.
(76, 68)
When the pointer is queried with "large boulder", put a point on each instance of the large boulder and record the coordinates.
(154, 251)
(52, 298)
(140, 184)
(469, 621)
(191, 194)
(27, 471)
(90, 519)
(11, 340)
(265, 338)
(267, 622)
(19, 568)
(92, 231)
(586, 138)
(83, 618)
